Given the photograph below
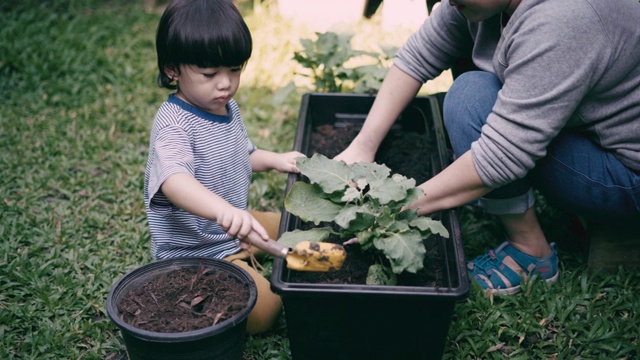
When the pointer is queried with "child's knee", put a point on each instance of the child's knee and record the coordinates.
(268, 305)
(270, 221)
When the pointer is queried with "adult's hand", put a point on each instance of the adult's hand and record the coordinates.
(354, 153)
(397, 90)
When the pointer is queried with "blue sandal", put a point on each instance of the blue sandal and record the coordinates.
(500, 270)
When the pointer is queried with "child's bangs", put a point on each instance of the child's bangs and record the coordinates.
(219, 47)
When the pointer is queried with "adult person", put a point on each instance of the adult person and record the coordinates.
(555, 104)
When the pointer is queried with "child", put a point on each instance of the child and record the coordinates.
(200, 157)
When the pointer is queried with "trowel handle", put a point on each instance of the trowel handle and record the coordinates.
(270, 246)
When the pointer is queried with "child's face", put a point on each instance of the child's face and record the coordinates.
(209, 89)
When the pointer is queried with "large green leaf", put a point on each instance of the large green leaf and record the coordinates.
(407, 215)
(387, 190)
(308, 203)
(365, 239)
(331, 175)
(394, 189)
(355, 218)
(370, 172)
(405, 182)
(413, 195)
(425, 223)
(386, 218)
(351, 194)
(291, 238)
(404, 250)
(398, 226)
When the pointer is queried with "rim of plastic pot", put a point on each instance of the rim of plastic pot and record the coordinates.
(141, 274)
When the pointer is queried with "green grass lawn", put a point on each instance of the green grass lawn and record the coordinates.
(77, 97)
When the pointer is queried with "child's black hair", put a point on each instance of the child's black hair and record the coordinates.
(205, 33)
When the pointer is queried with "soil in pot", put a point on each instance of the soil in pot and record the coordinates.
(405, 153)
(184, 299)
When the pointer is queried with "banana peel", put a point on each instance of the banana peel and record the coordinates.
(306, 255)
(316, 256)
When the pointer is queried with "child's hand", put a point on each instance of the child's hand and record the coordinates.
(286, 162)
(239, 224)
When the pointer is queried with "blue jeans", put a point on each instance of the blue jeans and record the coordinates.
(576, 174)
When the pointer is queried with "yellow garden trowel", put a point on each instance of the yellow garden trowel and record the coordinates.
(306, 255)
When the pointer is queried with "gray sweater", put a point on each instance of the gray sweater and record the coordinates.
(565, 64)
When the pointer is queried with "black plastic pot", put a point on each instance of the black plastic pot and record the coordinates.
(343, 321)
(225, 340)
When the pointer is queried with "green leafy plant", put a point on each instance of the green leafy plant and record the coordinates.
(326, 56)
(366, 202)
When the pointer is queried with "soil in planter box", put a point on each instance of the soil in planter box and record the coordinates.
(406, 153)
(355, 267)
(184, 299)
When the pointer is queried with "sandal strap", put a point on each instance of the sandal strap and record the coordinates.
(492, 270)
(503, 267)
(547, 266)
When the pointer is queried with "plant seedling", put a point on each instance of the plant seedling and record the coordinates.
(366, 202)
(325, 58)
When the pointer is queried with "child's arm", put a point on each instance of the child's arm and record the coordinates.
(263, 160)
(187, 193)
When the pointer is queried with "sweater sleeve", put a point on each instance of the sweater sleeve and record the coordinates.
(443, 38)
(548, 59)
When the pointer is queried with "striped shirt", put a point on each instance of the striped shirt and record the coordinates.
(212, 148)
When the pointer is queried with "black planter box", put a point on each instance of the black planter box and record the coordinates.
(344, 321)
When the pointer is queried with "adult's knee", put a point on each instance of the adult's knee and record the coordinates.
(467, 105)
(579, 176)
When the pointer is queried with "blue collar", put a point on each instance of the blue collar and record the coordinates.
(173, 99)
